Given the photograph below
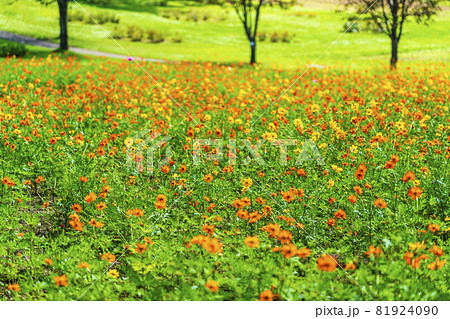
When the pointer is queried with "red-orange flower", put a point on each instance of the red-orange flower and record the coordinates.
(380, 203)
(160, 201)
(61, 280)
(252, 241)
(409, 176)
(14, 287)
(76, 207)
(90, 198)
(326, 263)
(266, 295)
(340, 214)
(415, 192)
(140, 248)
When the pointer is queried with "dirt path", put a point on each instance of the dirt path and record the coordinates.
(50, 45)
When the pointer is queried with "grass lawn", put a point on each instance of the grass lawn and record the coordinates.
(221, 38)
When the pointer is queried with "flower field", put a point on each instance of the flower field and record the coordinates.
(217, 184)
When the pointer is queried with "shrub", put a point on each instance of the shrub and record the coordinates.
(302, 14)
(351, 28)
(8, 48)
(76, 15)
(157, 3)
(206, 15)
(262, 36)
(155, 36)
(193, 15)
(177, 38)
(100, 17)
(285, 36)
(221, 16)
(135, 33)
(118, 33)
(278, 36)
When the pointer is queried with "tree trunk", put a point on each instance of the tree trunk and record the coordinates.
(253, 52)
(63, 42)
(394, 53)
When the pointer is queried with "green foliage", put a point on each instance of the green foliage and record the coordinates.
(154, 36)
(8, 48)
(135, 33)
(99, 17)
(66, 123)
(275, 36)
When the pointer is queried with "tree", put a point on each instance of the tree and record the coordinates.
(63, 35)
(390, 15)
(248, 12)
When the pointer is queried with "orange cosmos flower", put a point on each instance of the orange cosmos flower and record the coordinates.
(374, 251)
(350, 266)
(288, 196)
(95, 223)
(340, 214)
(61, 280)
(160, 201)
(48, 261)
(352, 199)
(284, 237)
(415, 192)
(90, 198)
(14, 287)
(266, 295)
(358, 190)
(437, 251)
(135, 212)
(76, 207)
(380, 203)
(84, 265)
(389, 165)
(301, 172)
(359, 175)
(53, 140)
(100, 151)
(326, 263)
(148, 241)
(212, 285)
(288, 251)
(208, 178)
(140, 248)
(165, 169)
(252, 241)
(75, 222)
(434, 228)
(208, 229)
(395, 159)
(84, 179)
(198, 239)
(408, 257)
(409, 176)
(272, 229)
(109, 257)
(212, 245)
(304, 252)
(101, 206)
(437, 264)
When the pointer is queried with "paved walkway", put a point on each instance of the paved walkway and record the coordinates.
(50, 45)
